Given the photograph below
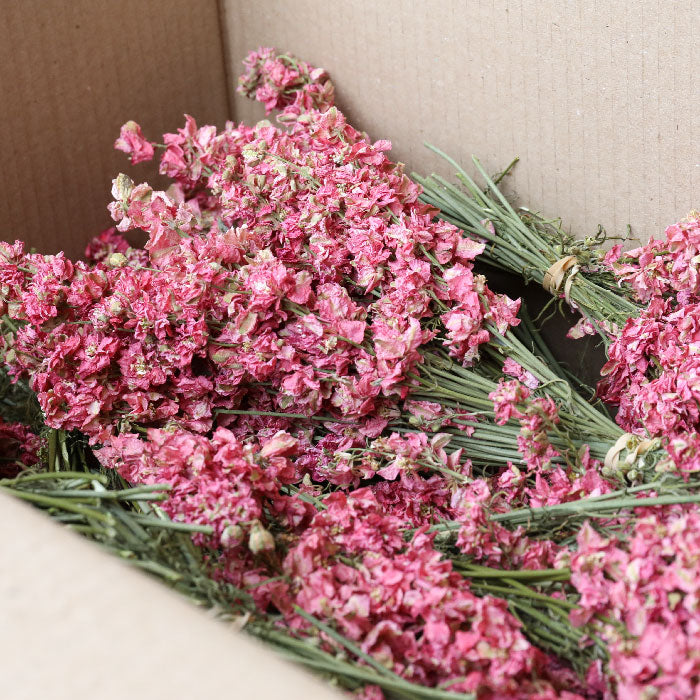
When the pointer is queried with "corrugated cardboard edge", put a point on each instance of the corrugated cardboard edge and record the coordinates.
(231, 77)
(77, 624)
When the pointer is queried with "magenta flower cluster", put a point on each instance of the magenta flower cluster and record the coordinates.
(19, 448)
(653, 372)
(288, 273)
(644, 585)
(253, 354)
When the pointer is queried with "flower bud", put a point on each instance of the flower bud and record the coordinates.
(231, 535)
(260, 540)
(114, 306)
(122, 186)
(117, 260)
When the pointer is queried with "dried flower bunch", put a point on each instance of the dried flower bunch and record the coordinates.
(376, 456)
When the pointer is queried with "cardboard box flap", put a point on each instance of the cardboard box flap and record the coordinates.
(599, 100)
(78, 623)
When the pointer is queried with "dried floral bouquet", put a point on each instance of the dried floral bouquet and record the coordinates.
(301, 405)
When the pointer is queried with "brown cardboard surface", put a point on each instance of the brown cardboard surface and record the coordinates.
(77, 624)
(599, 99)
(71, 73)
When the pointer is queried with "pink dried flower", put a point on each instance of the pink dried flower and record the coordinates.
(19, 448)
(406, 607)
(511, 367)
(133, 143)
(282, 82)
(646, 582)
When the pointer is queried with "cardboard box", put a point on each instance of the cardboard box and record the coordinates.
(599, 100)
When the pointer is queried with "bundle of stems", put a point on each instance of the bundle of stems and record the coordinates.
(560, 521)
(127, 522)
(464, 394)
(529, 245)
(462, 390)
(544, 617)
